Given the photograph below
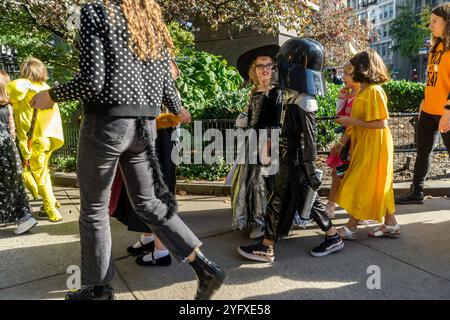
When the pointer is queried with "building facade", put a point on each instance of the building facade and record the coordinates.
(8, 60)
(379, 15)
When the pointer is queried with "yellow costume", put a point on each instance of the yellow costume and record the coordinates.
(367, 190)
(47, 137)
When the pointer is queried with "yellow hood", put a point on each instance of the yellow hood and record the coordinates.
(48, 124)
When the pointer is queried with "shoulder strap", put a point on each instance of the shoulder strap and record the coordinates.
(32, 127)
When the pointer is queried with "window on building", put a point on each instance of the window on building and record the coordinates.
(391, 10)
(385, 30)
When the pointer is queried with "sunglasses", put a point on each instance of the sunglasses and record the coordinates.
(269, 66)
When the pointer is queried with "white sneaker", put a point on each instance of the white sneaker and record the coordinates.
(258, 232)
(26, 226)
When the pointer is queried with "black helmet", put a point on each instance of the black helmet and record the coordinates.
(300, 64)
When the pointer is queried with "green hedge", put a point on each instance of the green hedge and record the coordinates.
(212, 172)
(404, 96)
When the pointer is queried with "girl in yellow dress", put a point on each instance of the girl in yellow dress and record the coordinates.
(366, 191)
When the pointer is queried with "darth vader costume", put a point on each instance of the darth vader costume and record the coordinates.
(300, 79)
(300, 64)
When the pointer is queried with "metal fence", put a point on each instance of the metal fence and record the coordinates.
(402, 125)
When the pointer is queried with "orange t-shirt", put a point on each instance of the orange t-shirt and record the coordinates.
(437, 91)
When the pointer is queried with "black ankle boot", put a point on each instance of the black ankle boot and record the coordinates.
(105, 292)
(209, 277)
(413, 196)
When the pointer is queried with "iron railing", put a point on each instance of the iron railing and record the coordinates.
(402, 125)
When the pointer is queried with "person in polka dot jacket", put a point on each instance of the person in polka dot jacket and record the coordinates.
(125, 76)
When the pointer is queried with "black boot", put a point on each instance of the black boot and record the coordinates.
(413, 196)
(105, 292)
(209, 277)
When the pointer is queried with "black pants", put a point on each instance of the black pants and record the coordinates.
(289, 197)
(124, 211)
(427, 133)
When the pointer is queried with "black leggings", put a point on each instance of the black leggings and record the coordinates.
(427, 133)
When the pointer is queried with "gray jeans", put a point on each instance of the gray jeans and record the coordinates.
(104, 143)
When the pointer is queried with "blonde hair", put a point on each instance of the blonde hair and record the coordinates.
(4, 79)
(253, 76)
(34, 70)
(149, 34)
(442, 10)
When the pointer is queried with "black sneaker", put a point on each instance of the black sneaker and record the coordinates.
(257, 252)
(92, 293)
(330, 245)
(143, 249)
(413, 196)
(41, 215)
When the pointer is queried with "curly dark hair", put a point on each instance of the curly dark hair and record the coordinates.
(369, 67)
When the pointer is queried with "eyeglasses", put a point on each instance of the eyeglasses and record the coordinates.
(269, 66)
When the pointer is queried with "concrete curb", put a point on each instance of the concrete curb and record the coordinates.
(433, 188)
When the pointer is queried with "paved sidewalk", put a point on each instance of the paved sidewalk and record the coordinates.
(435, 188)
(413, 266)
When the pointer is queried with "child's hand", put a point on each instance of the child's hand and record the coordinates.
(185, 116)
(346, 121)
(336, 149)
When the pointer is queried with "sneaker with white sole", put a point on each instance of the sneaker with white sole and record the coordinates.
(257, 232)
(257, 252)
(330, 245)
(26, 226)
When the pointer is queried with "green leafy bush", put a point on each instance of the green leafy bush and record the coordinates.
(67, 110)
(207, 81)
(212, 172)
(227, 105)
(404, 96)
(63, 164)
(327, 108)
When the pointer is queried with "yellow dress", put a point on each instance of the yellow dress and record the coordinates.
(367, 190)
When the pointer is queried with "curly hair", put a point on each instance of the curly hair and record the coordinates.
(369, 67)
(442, 10)
(253, 76)
(149, 34)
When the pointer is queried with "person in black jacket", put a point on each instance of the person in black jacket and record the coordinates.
(125, 76)
(300, 64)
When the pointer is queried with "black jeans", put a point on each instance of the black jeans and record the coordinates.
(104, 143)
(427, 133)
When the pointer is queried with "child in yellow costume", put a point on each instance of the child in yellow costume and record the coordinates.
(366, 191)
(47, 135)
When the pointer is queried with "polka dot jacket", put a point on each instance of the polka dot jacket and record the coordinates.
(113, 81)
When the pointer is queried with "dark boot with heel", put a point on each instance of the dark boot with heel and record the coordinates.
(209, 277)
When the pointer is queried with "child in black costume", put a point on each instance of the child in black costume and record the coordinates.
(300, 64)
